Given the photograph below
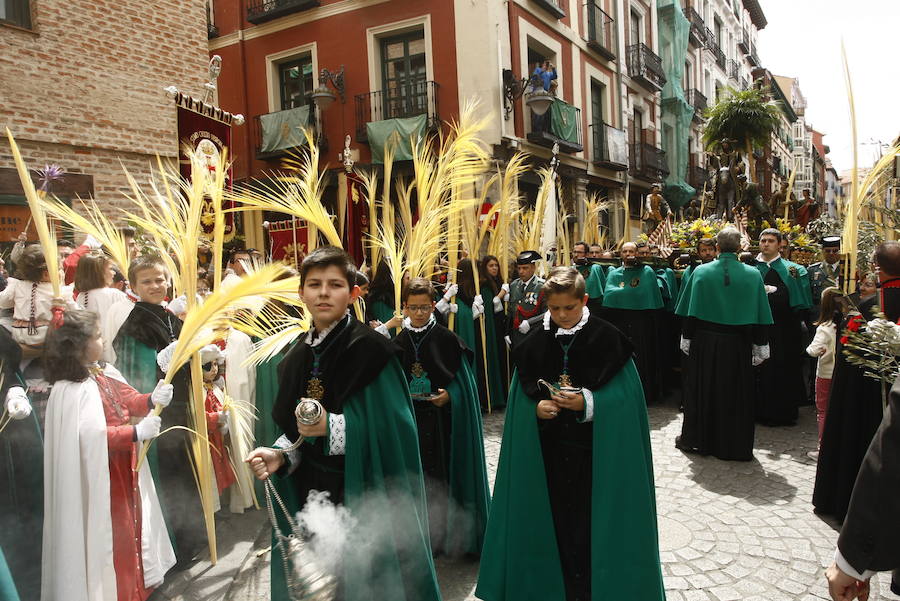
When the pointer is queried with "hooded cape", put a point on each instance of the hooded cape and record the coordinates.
(635, 288)
(795, 277)
(725, 291)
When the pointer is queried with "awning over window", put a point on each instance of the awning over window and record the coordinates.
(564, 121)
(283, 129)
(407, 129)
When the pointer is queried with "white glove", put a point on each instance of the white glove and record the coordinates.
(162, 394)
(498, 304)
(505, 287)
(508, 341)
(477, 306)
(759, 354)
(148, 428)
(164, 357)
(92, 243)
(454, 307)
(210, 353)
(178, 305)
(685, 345)
(524, 327)
(770, 289)
(451, 291)
(17, 403)
(223, 422)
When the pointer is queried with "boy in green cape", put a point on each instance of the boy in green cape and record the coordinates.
(574, 509)
(437, 365)
(364, 448)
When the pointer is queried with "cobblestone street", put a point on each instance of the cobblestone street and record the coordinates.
(728, 530)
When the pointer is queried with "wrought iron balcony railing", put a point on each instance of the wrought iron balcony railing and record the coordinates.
(733, 70)
(717, 53)
(697, 100)
(698, 27)
(645, 67)
(744, 43)
(601, 31)
(752, 58)
(407, 100)
(604, 152)
(548, 129)
(648, 162)
(553, 7)
(260, 11)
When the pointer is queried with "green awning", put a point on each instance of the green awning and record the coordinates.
(283, 130)
(564, 121)
(380, 133)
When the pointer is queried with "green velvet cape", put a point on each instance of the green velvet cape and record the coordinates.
(468, 329)
(520, 559)
(595, 282)
(795, 277)
(743, 301)
(382, 460)
(667, 277)
(620, 294)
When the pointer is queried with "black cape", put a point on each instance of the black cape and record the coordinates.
(854, 413)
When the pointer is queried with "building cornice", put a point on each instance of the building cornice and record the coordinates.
(756, 14)
(315, 14)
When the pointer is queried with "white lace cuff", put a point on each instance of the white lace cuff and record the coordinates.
(685, 345)
(760, 353)
(382, 329)
(443, 306)
(588, 406)
(336, 441)
(291, 458)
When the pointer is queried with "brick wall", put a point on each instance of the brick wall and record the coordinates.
(84, 89)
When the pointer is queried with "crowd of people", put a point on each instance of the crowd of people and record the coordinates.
(573, 352)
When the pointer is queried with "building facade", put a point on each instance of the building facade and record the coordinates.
(776, 163)
(83, 88)
(409, 64)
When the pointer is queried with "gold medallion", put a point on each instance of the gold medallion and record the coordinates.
(565, 380)
(635, 282)
(314, 389)
(794, 272)
(417, 371)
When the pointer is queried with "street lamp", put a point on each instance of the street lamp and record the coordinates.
(322, 97)
(539, 101)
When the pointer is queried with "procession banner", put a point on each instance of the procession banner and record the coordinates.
(288, 241)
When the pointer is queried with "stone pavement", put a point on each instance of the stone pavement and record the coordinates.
(728, 530)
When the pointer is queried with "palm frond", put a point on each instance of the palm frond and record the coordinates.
(91, 220)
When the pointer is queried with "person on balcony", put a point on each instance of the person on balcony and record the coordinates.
(542, 78)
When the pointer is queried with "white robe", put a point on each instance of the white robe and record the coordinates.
(101, 301)
(240, 384)
(77, 562)
(110, 324)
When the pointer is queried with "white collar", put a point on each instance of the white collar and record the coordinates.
(760, 258)
(320, 336)
(407, 324)
(585, 314)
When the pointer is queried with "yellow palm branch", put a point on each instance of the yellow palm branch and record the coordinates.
(91, 220)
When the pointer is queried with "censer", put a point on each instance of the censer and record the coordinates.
(306, 579)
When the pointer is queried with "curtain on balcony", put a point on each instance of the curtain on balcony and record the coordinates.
(564, 121)
(380, 132)
(283, 129)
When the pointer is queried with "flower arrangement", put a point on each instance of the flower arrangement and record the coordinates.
(686, 234)
(874, 346)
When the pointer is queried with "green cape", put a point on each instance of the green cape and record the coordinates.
(468, 513)
(667, 277)
(382, 458)
(595, 282)
(265, 430)
(743, 301)
(620, 294)
(384, 313)
(466, 328)
(795, 277)
(520, 559)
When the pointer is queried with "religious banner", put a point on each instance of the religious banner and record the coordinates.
(355, 216)
(288, 241)
(206, 130)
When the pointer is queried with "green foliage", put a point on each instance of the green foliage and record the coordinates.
(743, 116)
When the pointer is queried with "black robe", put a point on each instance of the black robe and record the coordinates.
(719, 396)
(352, 356)
(156, 327)
(779, 380)
(643, 328)
(597, 353)
(855, 411)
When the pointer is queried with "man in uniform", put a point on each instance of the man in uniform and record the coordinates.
(525, 299)
(827, 272)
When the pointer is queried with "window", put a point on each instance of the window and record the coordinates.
(598, 129)
(16, 12)
(717, 26)
(637, 127)
(295, 80)
(636, 27)
(688, 76)
(403, 75)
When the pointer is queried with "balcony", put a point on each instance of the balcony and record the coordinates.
(647, 162)
(645, 67)
(211, 31)
(601, 34)
(744, 43)
(260, 11)
(717, 53)
(697, 177)
(561, 124)
(697, 100)
(752, 58)
(745, 83)
(609, 148)
(733, 70)
(410, 100)
(279, 134)
(551, 6)
(698, 27)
